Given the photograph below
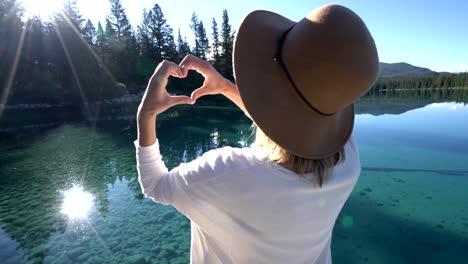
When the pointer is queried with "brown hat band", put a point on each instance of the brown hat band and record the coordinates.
(279, 59)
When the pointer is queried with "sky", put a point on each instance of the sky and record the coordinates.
(431, 34)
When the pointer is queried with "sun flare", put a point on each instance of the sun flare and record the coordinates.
(42, 8)
(77, 202)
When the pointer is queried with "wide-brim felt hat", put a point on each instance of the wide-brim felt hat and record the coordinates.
(299, 80)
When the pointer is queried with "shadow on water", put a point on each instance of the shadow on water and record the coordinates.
(404, 170)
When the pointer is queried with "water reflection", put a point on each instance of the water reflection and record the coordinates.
(77, 202)
(215, 138)
(380, 107)
(449, 105)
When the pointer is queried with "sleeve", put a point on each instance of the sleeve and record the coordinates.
(179, 187)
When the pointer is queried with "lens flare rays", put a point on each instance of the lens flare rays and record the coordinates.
(11, 75)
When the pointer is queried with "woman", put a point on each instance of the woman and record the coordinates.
(276, 201)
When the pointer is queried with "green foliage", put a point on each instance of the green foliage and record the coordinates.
(89, 32)
(69, 60)
(100, 36)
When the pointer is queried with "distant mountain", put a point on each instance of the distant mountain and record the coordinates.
(402, 69)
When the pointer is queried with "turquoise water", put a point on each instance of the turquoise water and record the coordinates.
(69, 193)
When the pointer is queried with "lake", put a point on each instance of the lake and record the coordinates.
(69, 191)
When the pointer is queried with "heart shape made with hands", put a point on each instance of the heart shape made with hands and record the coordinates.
(156, 98)
(214, 82)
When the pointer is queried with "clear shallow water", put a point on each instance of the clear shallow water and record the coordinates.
(69, 194)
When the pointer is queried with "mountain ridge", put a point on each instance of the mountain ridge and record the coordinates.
(400, 69)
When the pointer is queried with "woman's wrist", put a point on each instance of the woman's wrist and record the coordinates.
(146, 115)
(229, 89)
(146, 128)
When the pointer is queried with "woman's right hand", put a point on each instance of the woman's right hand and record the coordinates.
(214, 82)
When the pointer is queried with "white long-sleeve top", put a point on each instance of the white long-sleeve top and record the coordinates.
(245, 208)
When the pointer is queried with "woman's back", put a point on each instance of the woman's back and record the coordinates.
(246, 208)
(298, 83)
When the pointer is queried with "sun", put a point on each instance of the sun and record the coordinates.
(77, 203)
(43, 8)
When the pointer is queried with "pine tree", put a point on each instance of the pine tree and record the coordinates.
(71, 11)
(194, 26)
(89, 32)
(119, 21)
(146, 45)
(226, 46)
(123, 45)
(100, 36)
(170, 48)
(216, 45)
(203, 41)
(103, 44)
(202, 45)
(109, 32)
(183, 47)
(162, 35)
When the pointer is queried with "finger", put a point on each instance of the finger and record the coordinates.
(202, 91)
(174, 69)
(180, 99)
(186, 64)
(176, 72)
(191, 62)
(183, 67)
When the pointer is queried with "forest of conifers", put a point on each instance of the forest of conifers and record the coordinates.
(68, 60)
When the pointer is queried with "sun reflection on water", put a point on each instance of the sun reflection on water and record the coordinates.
(77, 202)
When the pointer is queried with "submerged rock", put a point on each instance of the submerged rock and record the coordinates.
(136, 259)
(433, 246)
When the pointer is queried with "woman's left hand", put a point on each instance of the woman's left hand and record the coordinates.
(156, 99)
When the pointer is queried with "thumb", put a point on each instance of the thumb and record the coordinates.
(202, 91)
(181, 99)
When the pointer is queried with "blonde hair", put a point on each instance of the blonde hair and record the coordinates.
(321, 168)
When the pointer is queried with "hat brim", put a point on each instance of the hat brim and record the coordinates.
(270, 98)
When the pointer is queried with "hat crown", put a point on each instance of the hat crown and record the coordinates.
(298, 80)
(331, 57)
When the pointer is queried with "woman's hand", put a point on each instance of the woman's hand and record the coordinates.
(156, 99)
(214, 82)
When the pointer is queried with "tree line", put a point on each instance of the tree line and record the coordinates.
(68, 59)
(442, 86)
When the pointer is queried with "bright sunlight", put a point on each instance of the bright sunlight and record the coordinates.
(76, 202)
(43, 8)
